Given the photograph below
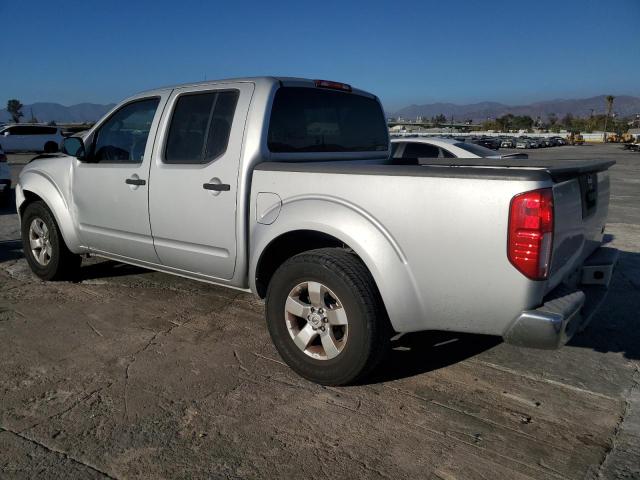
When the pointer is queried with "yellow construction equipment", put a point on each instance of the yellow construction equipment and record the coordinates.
(624, 138)
(575, 138)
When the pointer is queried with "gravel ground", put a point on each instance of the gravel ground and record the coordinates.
(135, 374)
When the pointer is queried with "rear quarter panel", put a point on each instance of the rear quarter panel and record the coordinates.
(436, 246)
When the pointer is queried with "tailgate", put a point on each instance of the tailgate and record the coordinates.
(581, 205)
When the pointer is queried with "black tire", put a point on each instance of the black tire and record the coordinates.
(369, 330)
(63, 264)
(51, 147)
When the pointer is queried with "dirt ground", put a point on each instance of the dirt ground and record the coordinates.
(135, 374)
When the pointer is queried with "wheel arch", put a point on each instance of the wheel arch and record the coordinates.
(285, 246)
(349, 228)
(36, 186)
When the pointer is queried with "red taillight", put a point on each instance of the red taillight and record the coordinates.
(334, 85)
(531, 232)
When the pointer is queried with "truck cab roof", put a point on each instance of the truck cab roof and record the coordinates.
(259, 80)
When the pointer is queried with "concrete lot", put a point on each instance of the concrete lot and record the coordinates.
(132, 374)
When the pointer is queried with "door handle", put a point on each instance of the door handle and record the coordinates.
(135, 181)
(217, 187)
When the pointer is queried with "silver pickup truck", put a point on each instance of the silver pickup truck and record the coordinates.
(286, 187)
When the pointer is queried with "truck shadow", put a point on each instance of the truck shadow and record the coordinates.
(422, 352)
(614, 329)
(107, 269)
(8, 207)
(10, 250)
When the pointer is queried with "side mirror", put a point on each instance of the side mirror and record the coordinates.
(74, 146)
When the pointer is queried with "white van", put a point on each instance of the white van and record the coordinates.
(30, 138)
(5, 179)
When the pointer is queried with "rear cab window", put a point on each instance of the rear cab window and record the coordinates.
(320, 120)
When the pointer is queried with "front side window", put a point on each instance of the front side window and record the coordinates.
(200, 127)
(320, 120)
(123, 137)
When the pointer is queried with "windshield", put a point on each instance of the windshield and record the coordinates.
(476, 149)
(320, 120)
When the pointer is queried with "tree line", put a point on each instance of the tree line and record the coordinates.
(600, 122)
(569, 122)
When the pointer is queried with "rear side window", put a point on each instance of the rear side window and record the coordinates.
(200, 127)
(478, 150)
(318, 120)
(421, 150)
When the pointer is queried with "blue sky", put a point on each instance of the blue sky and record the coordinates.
(406, 52)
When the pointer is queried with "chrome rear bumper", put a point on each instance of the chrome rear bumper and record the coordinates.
(565, 310)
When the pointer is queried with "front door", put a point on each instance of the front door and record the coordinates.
(194, 176)
(110, 189)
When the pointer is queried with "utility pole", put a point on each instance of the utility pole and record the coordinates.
(610, 99)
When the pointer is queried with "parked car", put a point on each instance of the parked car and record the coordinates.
(5, 178)
(491, 143)
(508, 143)
(31, 138)
(523, 143)
(438, 147)
(285, 187)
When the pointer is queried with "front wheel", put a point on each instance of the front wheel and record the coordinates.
(44, 247)
(326, 317)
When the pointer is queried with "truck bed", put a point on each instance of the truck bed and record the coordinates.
(516, 169)
(446, 222)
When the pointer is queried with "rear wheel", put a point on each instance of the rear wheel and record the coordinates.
(44, 247)
(326, 317)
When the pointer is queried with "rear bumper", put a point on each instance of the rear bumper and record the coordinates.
(565, 310)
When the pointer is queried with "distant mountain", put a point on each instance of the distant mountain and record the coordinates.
(624, 105)
(46, 112)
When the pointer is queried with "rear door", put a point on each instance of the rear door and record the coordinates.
(194, 176)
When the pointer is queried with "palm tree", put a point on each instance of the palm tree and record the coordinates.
(609, 99)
